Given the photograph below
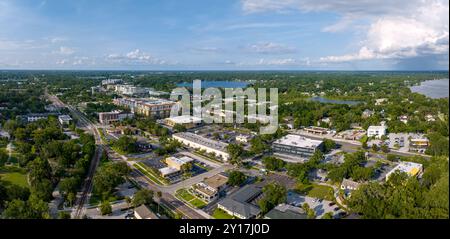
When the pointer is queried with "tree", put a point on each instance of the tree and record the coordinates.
(126, 144)
(236, 178)
(328, 145)
(105, 208)
(179, 128)
(68, 185)
(109, 176)
(273, 163)
(257, 145)
(143, 196)
(187, 167)
(273, 194)
(235, 151)
(375, 147)
(328, 216)
(16, 209)
(384, 148)
(405, 197)
(63, 215)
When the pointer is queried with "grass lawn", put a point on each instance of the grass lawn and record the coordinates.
(16, 178)
(186, 196)
(197, 203)
(220, 214)
(316, 191)
(156, 179)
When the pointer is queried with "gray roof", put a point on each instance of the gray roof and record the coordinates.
(239, 202)
(285, 211)
(144, 212)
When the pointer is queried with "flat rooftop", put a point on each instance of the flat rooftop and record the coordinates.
(182, 160)
(185, 119)
(216, 181)
(298, 141)
(203, 141)
(408, 167)
(168, 170)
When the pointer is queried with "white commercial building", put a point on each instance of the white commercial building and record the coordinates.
(376, 131)
(199, 142)
(186, 120)
(64, 119)
(410, 168)
(297, 145)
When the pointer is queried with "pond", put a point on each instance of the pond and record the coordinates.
(434, 89)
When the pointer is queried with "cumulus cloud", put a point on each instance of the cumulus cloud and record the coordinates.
(399, 29)
(270, 48)
(425, 32)
(136, 57)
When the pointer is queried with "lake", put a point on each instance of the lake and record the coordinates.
(433, 88)
(217, 84)
(330, 101)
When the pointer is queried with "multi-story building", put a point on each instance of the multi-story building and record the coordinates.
(210, 188)
(111, 81)
(114, 116)
(199, 142)
(376, 131)
(151, 107)
(419, 145)
(297, 145)
(131, 90)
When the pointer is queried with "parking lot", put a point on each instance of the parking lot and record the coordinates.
(321, 207)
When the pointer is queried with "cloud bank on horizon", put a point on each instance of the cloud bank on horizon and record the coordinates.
(225, 35)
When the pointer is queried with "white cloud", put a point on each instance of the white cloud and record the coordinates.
(207, 49)
(280, 62)
(62, 62)
(425, 32)
(270, 48)
(63, 50)
(136, 57)
(398, 29)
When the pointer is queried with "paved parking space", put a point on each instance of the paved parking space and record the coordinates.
(118, 212)
(320, 207)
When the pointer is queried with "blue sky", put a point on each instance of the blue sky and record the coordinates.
(224, 34)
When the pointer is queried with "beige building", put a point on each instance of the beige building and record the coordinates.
(210, 188)
(177, 163)
(151, 107)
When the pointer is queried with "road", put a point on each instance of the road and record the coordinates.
(83, 197)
